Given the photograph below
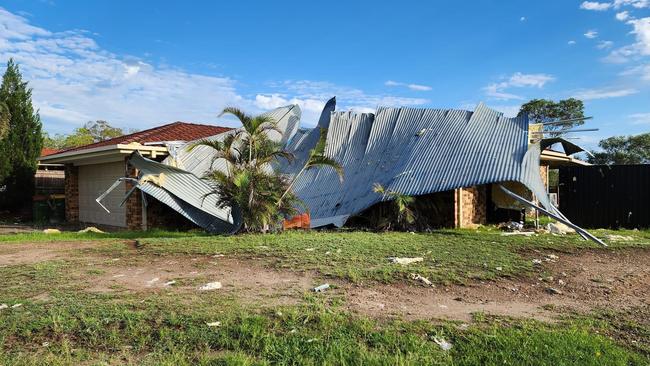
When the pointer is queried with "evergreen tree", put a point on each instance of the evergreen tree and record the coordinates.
(22, 142)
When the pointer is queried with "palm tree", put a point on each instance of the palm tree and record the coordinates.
(315, 159)
(255, 128)
(402, 204)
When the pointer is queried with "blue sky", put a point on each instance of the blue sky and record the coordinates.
(139, 64)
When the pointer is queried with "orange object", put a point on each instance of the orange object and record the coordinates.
(297, 222)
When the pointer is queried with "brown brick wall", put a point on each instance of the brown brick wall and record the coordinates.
(134, 219)
(71, 193)
(471, 206)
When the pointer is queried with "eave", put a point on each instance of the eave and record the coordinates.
(103, 154)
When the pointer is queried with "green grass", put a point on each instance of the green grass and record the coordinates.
(59, 323)
(100, 329)
(450, 256)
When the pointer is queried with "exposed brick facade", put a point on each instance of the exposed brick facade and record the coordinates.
(71, 193)
(134, 219)
(470, 206)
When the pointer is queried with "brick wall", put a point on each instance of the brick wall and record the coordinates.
(71, 193)
(470, 206)
(134, 219)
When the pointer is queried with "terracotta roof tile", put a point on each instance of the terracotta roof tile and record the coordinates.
(177, 131)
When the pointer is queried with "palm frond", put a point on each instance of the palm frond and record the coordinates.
(320, 160)
(319, 149)
(217, 145)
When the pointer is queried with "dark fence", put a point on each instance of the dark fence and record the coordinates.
(607, 196)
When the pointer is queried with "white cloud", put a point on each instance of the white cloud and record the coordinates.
(591, 94)
(522, 19)
(75, 80)
(517, 80)
(639, 4)
(415, 87)
(571, 42)
(642, 32)
(623, 16)
(591, 34)
(640, 118)
(602, 45)
(593, 5)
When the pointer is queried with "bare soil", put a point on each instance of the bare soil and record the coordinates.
(582, 281)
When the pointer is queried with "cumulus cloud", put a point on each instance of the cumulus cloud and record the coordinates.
(592, 94)
(75, 80)
(623, 16)
(591, 34)
(571, 42)
(516, 80)
(639, 49)
(602, 45)
(415, 87)
(593, 5)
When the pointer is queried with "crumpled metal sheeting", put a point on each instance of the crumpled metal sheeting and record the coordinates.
(569, 147)
(184, 192)
(200, 160)
(417, 151)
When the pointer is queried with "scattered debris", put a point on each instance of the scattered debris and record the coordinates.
(551, 257)
(424, 280)
(91, 229)
(553, 291)
(558, 228)
(45, 344)
(312, 340)
(52, 231)
(169, 283)
(405, 261)
(537, 261)
(213, 324)
(322, 287)
(210, 286)
(614, 237)
(561, 282)
(218, 255)
(444, 345)
(119, 275)
(16, 306)
(3, 306)
(524, 233)
(511, 226)
(310, 249)
(499, 268)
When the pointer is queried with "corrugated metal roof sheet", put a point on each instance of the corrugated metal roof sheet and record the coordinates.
(413, 151)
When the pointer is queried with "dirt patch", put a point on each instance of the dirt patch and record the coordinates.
(584, 281)
(30, 253)
(248, 280)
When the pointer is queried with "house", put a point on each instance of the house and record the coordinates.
(92, 168)
(462, 161)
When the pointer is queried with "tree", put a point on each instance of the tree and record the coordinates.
(623, 150)
(249, 183)
(23, 141)
(543, 110)
(87, 134)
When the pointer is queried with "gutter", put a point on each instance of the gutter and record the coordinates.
(66, 156)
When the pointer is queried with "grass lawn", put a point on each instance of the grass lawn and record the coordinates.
(61, 321)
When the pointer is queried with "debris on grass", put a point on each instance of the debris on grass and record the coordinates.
(210, 286)
(537, 261)
(444, 345)
(3, 306)
(322, 287)
(52, 231)
(169, 283)
(551, 258)
(310, 249)
(614, 237)
(511, 226)
(16, 306)
(558, 228)
(91, 229)
(213, 324)
(524, 233)
(405, 261)
(499, 268)
(419, 278)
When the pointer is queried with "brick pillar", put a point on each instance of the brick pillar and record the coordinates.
(134, 211)
(71, 193)
(470, 206)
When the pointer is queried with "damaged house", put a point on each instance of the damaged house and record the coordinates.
(469, 162)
